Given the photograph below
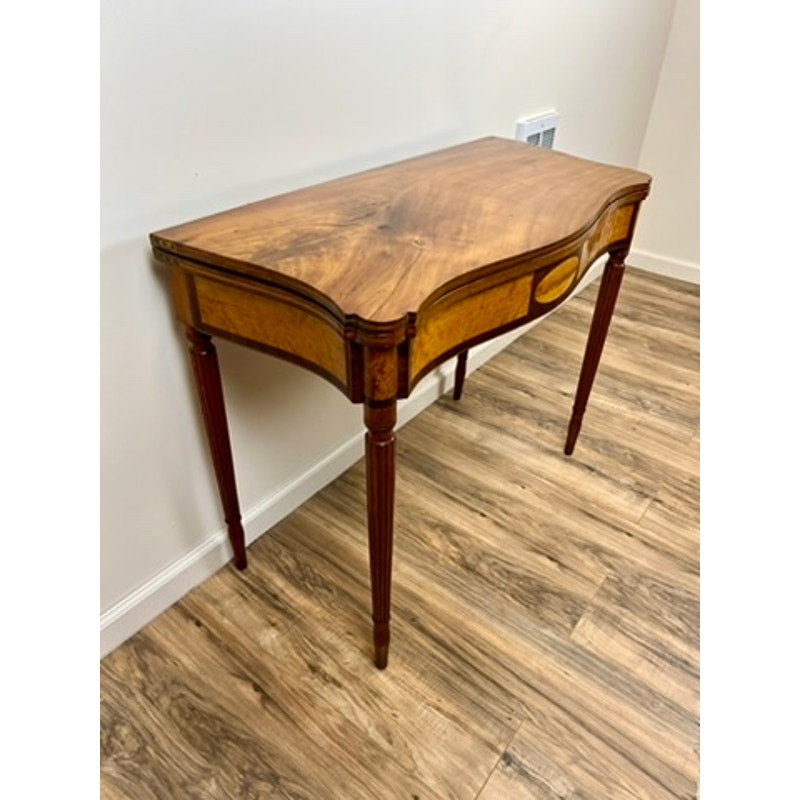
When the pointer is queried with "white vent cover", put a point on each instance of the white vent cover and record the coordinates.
(539, 130)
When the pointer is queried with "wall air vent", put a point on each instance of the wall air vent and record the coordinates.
(539, 130)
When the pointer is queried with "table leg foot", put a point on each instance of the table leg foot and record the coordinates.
(572, 432)
(461, 372)
(603, 310)
(209, 390)
(380, 634)
(240, 559)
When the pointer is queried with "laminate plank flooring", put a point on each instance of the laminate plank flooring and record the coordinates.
(545, 609)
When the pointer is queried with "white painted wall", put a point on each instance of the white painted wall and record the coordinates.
(668, 235)
(209, 104)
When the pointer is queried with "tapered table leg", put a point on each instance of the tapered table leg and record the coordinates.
(380, 419)
(461, 372)
(209, 390)
(603, 310)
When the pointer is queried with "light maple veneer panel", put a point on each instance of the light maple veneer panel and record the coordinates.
(274, 320)
(452, 322)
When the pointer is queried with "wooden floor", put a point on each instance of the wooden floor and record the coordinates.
(545, 609)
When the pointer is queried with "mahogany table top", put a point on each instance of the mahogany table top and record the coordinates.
(378, 244)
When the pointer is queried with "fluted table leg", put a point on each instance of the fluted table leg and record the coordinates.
(380, 419)
(603, 310)
(209, 390)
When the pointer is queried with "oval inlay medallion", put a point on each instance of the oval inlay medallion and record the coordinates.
(557, 281)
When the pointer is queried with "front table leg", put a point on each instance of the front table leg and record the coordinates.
(380, 418)
(604, 308)
(209, 390)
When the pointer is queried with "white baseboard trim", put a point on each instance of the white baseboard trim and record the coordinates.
(133, 612)
(662, 265)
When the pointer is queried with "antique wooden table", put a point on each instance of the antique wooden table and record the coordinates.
(372, 280)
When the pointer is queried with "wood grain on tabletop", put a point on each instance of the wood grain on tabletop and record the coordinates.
(410, 227)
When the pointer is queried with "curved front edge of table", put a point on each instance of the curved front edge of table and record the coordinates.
(377, 363)
(504, 299)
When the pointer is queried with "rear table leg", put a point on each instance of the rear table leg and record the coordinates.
(461, 372)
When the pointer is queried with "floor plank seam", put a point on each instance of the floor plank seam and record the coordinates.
(500, 758)
(649, 505)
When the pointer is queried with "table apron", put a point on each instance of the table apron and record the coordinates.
(296, 328)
